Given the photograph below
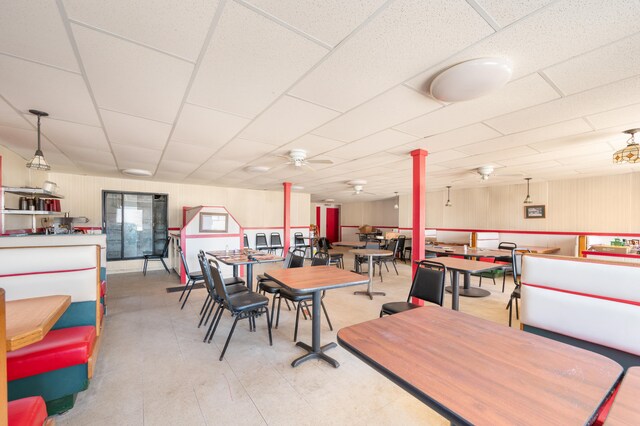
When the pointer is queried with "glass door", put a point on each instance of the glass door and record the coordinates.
(135, 224)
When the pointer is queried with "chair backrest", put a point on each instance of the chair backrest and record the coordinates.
(298, 239)
(372, 245)
(394, 246)
(275, 239)
(297, 258)
(246, 241)
(320, 259)
(218, 284)
(206, 273)
(184, 261)
(165, 249)
(516, 262)
(323, 244)
(428, 282)
(507, 245)
(261, 240)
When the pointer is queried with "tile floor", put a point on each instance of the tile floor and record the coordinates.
(153, 368)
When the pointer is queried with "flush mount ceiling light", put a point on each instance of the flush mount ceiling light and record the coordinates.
(297, 187)
(257, 169)
(448, 203)
(630, 153)
(528, 199)
(137, 172)
(395, 206)
(471, 79)
(329, 200)
(38, 162)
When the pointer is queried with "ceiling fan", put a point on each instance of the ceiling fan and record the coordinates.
(485, 172)
(298, 158)
(358, 187)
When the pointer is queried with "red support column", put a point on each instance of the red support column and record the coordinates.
(419, 196)
(287, 215)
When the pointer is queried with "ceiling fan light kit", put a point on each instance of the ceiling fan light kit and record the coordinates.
(631, 152)
(38, 162)
(471, 79)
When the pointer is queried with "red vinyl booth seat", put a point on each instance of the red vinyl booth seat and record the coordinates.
(61, 348)
(27, 412)
(103, 288)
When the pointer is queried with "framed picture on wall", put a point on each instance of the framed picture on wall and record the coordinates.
(214, 222)
(535, 212)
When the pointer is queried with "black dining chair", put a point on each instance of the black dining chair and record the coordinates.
(160, 257)
(234, 286)
(427, 285)
(402, 239)
(516, 256)
(298, 242)
(261, 242)
(275, 242)
(336, 259)
(304, 301)
(241, 306)
(192, 278)
(394, 246)
(246, 241)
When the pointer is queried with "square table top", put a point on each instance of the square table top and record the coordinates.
(29, 320)
(625, 410)
(309, 279)
(465, 265)
(474, 371)
(240, 258)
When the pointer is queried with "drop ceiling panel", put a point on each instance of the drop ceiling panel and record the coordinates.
(128, 78)
(507, 12)
(93, 169)
(288, 118)
(90, 155)
(62, 94)
(169, 176)
(616, 117)
(377, 142)
(605, 65)
(615, 95)
(522, 93)
(216, 167)
(176, 26)
(64, 134)
(126, 153)
(360, 69)
(560, 31)
(553, 131)
(327, 21)
(194, 154)
(127, 129)
(250, 62)
(176, 166)
(563, 156)
(313, 144)
(455, 138)
(576, 142)
(243, 149)
(490, 158)
(35, 31)
(9, 117)
(393, 107)
(207, 127)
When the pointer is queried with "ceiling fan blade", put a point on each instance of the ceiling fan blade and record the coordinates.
(320, 161)
(308, 166)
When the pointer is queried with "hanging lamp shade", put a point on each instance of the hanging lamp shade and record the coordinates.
(38, 162)
(448, 203)
(396, 206)
(528, 199)
(631, 152)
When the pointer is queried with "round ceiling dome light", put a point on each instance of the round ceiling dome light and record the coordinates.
(471, 79)
(258, 169)
(297, 187)
(137, 172)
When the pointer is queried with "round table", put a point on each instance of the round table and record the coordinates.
(371, 253)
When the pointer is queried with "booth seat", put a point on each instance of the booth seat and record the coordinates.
(591, 304)
(59, 366)
(27, 412)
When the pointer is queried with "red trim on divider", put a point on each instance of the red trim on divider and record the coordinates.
(22, 231)
(419, 210)
(61, 271)
(577, 293)
(183, 245)
(170, 229)
(599, 253)
(287, 215)
(213, 236)
(274, 227)
(1, 207)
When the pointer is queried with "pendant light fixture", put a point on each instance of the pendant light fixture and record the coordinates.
(395, 206)
(448, 203)
(528, 199)
(38, 162)
(631, 152)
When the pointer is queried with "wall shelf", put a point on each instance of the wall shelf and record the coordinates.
(26, 192)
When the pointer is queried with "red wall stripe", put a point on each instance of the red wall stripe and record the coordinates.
(577, 293)
(62, 271)
(599, 253)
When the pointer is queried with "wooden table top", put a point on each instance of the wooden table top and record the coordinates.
(350, 243)
(625, 410)
(238, 258)
(29, 320)
(371, 252)
(309, 279)
(542, 250)
(465, 265)
(474, 371)
(471, 252)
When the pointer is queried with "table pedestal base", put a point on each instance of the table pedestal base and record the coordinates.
(370, 293)
(315, 354)
(469, 292)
